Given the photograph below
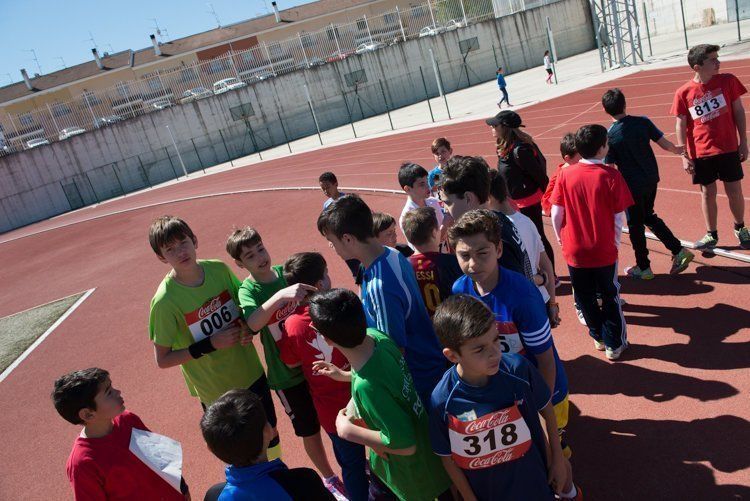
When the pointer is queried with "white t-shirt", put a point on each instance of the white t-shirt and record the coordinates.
(533, 243)
(547, 63)
(410, 205)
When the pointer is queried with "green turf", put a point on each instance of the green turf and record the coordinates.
(20, 330)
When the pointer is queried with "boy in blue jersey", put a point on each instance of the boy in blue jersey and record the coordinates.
(484, 421)
(236, 431)
(520, 313)
(390, 294)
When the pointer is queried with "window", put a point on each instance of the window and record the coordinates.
(122, 89)
(154, 84)
(390, 18)
(60, 109)
(249, 57)
(419, 11)
(26, 119)
(188, 75)
(275, 49)
(333, 33)
(218, 65)
(90, 98)
(307, 40)
(361, 24)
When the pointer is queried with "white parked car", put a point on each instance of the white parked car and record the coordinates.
(70, 132)
(228, 84)
(195, 94)
(369, 47)
(431, 31)
(33, 143)
(162, 103)
(108, 120)
(455, 24)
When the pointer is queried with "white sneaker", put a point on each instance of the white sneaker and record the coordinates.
(614, 354)
(579, 313)
(599, 345)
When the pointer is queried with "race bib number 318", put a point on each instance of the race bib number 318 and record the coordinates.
(215, 315)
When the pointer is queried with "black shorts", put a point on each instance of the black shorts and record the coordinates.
(298, 405)
(726, 167)
(549, 71)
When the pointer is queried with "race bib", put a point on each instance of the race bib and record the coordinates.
(492, 439)
(276, 322)
(214, 316)
(708, 107)
(510, 339)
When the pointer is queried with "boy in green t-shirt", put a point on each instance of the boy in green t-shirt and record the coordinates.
(266, 301)
(195, 322)
(385, 414)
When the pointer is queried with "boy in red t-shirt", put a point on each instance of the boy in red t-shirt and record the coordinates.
(570, 156)
(302, 346)
(710, 117)
(103, 463)
(588, 212)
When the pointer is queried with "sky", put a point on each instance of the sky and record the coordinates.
(60, 31)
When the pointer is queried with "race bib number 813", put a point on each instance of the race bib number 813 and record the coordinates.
(710, 108)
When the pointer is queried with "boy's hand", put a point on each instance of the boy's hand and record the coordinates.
(343, 424)
(557, 474)
(688, 165)
(246, 337)
(678, 149)
(226, 338)
(553, 312)
(742, 150)
(323, 368)
(293, 293)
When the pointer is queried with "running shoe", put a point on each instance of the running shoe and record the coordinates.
(599, 345)
(743, 235)
(639, 274)
(336, 487)
(579, 314)
(614, 353)
(707, 242)
(680, 261)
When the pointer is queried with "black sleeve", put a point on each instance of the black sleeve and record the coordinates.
(449, 272)
(302, 484)
(512, 256)
(214, 492)
(531, 165)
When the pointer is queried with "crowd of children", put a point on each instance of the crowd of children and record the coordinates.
(430, 383)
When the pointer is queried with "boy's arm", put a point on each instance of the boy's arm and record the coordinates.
(739, 119)
(620, 219)
(370, 438)
(390, 316)
(458, 478)
(558, 216)
(167, 357)
(557, 471)
(262, 314)
(681, 132)
(547, 367)
(667, 145)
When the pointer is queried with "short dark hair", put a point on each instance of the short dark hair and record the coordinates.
(381, 221)
(347, 215)
(167, 229)
(409, 173)
(329, 177)
(338, 315)
(498, 186)
(304, 268)
(241, 238)
(419, 225)
(568, 145)
(475, 222)
(462, 174)
(697, 55)
(77, 390)
(459, 318)
(589, 139)
(613, 102)
(437, 143)
(233, 427)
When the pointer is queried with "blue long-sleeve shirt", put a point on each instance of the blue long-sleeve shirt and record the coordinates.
(500, 80)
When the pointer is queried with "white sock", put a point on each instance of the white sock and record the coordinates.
(573, 492)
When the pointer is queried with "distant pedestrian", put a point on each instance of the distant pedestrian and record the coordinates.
(548, 66)
(501, 85)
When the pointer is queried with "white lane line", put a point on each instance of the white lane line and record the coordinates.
(41, 338)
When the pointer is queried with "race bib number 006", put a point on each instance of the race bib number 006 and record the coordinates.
(214, 316)
(495, 438)
(710, 108)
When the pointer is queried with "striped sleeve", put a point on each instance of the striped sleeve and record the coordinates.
(530, 317)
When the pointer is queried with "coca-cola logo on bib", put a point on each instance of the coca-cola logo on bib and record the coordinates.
(491, 421)
(486, 461)
(209, 308)
(284, 312)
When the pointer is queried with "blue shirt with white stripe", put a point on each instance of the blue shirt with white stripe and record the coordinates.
(394, 305)
(515, 300)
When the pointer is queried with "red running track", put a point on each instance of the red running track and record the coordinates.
(668, 422)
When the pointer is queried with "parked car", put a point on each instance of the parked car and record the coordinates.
(455, 24)
(431, 31)
(70, 132)
(162, 104)
(108, 120)
(195, 94)
(369, 47)
(259, 76)
(315, 61)
(33, 143)
(228, 84)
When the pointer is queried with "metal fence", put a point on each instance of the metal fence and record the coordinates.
(163, 88)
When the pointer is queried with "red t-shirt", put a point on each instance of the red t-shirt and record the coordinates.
(546, 205)
(302, 345)
(591, 195)
(436, 272)
(711, 129)
(104, 468)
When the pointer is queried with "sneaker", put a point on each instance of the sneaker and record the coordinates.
(577, 497)
(558, 283)
(743, 235)
(614, 353)
(707, 242)
(579, 314)
(680, 261)
(336, 487)
(639, 274)
(599, 345)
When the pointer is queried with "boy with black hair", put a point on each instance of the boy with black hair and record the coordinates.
(588, 212)
(435, 271)
(413, 180)
(330, 186)
(484, 416)
(521, 318)
(442, 152)
(466, 186)
(710, 119)
(390, 293)
(303, 347)
(236, 431)
(385, 414)
(105, 462)
(570, 156)
(630, 149)
(266, 301)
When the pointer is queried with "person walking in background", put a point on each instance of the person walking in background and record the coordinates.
(548, 66)
(501, 85)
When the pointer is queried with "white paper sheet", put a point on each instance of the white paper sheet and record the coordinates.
(162, 454)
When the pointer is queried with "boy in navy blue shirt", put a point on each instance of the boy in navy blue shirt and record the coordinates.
(630, 149)
(484, 413)
(390, 294)
(236, 431)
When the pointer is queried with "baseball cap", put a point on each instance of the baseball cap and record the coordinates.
(506, 118)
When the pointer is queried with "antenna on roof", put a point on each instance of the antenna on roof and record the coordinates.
(213, 12)
(91, 39)
(161, 32)
(36, 59)
(63, 61)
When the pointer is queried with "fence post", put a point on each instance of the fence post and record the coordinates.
(91, 185)
(88, 105)
(432, 16)
(179, 157)
(114, 171)
(336, 38)
(684, 26)
(439, 82)
(401, 24)
(198, 155)
(494, 55)
(283, 129)
(231, 63)
(463, 11)
(648, 30)
(737, 13)
(351, 120)
(426, 94)
(304, 53)
(387, 108)
(268, 56)
(52, 115)
(15, 129)
(145, 174)
(551, 39)
(312, 112)
(367, 25)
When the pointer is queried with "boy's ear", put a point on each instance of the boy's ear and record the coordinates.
(162, 259)
(452, 356)
(195, 241)
(86, 414)
(407, 189)
(239, 263)
(499, 249)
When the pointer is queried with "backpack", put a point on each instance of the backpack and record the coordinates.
(537, 172)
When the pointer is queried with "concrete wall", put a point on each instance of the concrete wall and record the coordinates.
(664, 16)
(43, 182)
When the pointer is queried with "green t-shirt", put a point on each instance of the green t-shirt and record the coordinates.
(384, 395)
(182, 315)
(252, 295)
